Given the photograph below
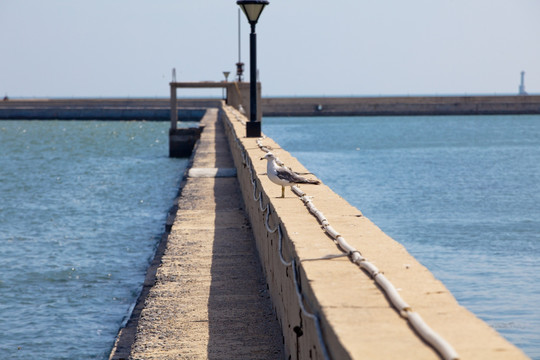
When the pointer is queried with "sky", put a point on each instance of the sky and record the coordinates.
(128, 48)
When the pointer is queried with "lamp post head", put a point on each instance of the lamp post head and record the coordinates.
(252, 9)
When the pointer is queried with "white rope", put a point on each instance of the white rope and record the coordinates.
(313, 317)
(266, 222)
(280, 248)
(261, 206)
(297, 191)
(299, 293)
(332, 232)
(256, 198)
(392, 294)
(425, 332)
(445, 349)
(345, 246)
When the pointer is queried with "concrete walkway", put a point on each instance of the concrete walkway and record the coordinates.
(210, 299)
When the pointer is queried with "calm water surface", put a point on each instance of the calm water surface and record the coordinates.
(82, 207)
(461, 193)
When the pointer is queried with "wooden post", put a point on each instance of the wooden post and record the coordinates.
(174, 109)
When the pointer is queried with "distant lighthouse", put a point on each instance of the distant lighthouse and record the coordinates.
(522, 85)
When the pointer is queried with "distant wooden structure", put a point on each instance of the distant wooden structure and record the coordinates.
(237, 95)
(182, 141)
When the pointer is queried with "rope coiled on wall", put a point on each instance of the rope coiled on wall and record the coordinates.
(425, 332)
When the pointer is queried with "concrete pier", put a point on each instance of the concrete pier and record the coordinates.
(208, 298)
(182, 141)
(342, 311)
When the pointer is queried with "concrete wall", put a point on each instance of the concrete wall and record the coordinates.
(357, 321)
(238, 93)
(427, 105)
(103, 109)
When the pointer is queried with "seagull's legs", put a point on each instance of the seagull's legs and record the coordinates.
(283, 191)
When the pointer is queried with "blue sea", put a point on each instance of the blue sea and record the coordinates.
(83, 205)
(461, 193)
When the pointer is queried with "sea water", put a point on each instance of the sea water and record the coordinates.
(461, 193)
(82, 206)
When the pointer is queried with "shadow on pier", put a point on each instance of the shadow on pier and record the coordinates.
(241, 320)
(205, 296)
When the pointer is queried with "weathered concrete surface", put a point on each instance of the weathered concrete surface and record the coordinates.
(357, 320)
(209, 299)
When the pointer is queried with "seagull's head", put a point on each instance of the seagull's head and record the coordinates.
(269, 156)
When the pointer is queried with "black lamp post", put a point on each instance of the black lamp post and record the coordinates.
(253, 9)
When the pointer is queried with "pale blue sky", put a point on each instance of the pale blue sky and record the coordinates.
(119, 48)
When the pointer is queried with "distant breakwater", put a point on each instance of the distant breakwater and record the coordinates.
(401, 106)
(103, 109)
(194, 109)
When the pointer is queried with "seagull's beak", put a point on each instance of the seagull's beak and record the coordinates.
(263, 158)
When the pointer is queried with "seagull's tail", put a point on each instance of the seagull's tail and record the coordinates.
(309, 181)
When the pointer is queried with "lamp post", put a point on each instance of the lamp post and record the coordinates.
(253, 10)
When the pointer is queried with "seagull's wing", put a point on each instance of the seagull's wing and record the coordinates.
(284, 173)
(287, 175)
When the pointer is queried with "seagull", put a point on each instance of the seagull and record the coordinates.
(281, 175)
